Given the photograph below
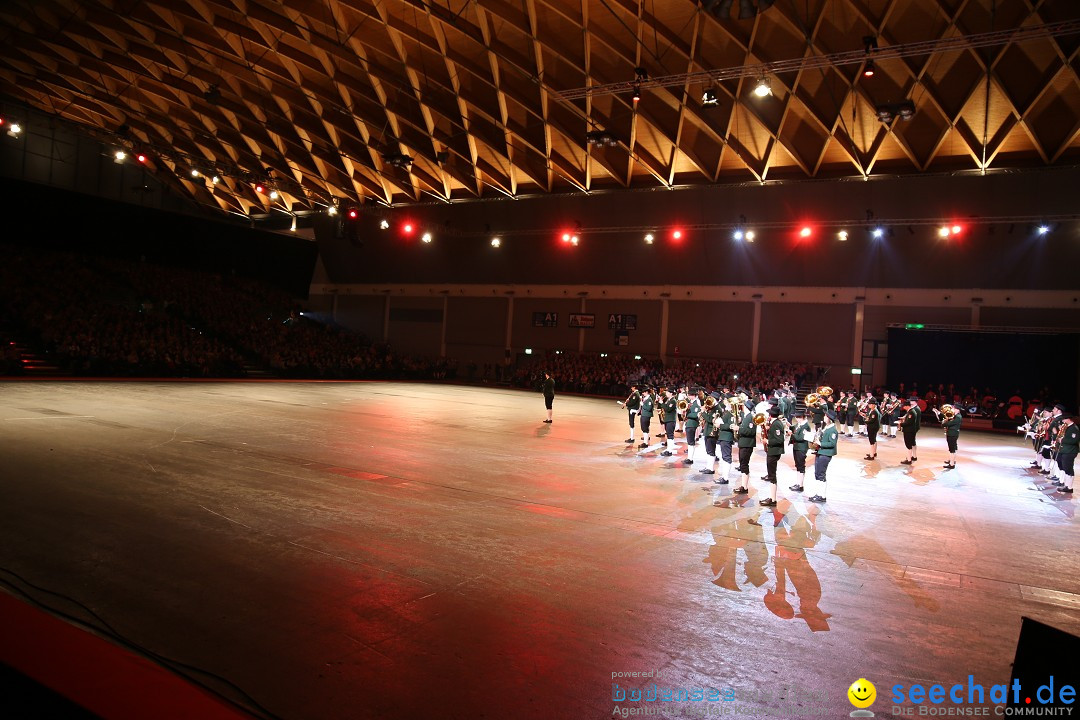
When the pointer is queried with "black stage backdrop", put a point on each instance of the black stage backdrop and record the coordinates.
(1004, 362)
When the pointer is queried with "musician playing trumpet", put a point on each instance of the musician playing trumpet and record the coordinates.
(726, 424)
(871, 418)
(632, 403)
(800, 444)
(949, 417)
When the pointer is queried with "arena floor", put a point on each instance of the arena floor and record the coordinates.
(391, 550)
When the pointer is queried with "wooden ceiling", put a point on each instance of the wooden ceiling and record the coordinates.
(333, 96)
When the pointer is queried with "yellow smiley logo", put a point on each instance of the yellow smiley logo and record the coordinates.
(862, 693)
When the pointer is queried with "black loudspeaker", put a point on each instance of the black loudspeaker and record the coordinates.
(1045, 667)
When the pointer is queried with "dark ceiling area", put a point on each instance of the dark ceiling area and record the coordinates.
(404, 102)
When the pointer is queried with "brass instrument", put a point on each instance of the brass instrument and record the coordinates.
(948, 412)
(824, 391)
(760, 418)
(682, 405)
(710, 403)
(815, 442)
(812, 399)
(1055, 444)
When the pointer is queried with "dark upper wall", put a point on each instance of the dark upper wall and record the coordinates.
(987, 255)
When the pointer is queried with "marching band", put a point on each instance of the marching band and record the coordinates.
(731, 425)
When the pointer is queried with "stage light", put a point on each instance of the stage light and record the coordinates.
(868, 71)
(273, 194)
(528, 351)
(331, 211)
(636, 94)
(637, 357)
(676, 234)
(407, 228)
(805, 231)
(750, 236)
(943, 232)
(194, 173)
(353, 213)
(709, 99)
(496, 242)
(738, 235)
(14, 130)
(426, 237)
(574, 240)
(384, 225)
(842, 235)
(649, 239)
(120, 156)
(215, 180)
(141, 158)
(566, 237)
(260, 189)
(762, 89)
(956, 229)
(293, 228)
(1043, 229)
(878, 233)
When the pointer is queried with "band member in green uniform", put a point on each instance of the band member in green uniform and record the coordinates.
(872, 417)
(1050, 428)
(707, 429)
(842, 412)
(825, 452)
(633, 406)
(800, 443)
(774, 448)
(1070, 445)
(951, 426)
(726, 424)
(909, 425)
(690, 427)
(918, 426)
(747, 440)
(671, 413)
(549, 394)
(647, 404)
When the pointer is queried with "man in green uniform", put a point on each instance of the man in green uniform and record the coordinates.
(690, 426)
(549, 394)
(825, 453)
(726, 424)
(909, 426)
(646, 416)
(952, 433)
(873, 424)
(800, 443)
(774, 448)
(747, 440)
(633, 407)
(1070, 445)
(671, 414)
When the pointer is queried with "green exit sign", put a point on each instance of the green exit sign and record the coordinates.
(914, 326)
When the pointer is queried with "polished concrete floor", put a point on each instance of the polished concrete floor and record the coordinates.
(384, 550)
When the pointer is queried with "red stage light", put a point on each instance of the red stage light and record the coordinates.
(566, 237)
(353, 214)
(676, 234)
(805, 231)
(141, 158)
(956, 229)
(260, 189)
(407, 228)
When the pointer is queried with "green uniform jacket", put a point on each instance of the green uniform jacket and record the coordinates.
(776, 438)
(873, 416)
(910, 420)
(705, 421)
(726, 433)
(828, 441)
(692, 413)
(647, 407)
(549, 388)
(918, 416)
(1070, 444)
(634, 402)
(747, 432)
(671, 410)
(952, 427)
(799, 441)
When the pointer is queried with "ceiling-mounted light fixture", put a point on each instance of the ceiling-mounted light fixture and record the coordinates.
(398, 159)
(763, 89)
(708, 98)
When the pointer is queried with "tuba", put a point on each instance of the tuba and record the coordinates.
(760, 418)
(948, 412)
(812, 399)
(824, 391)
